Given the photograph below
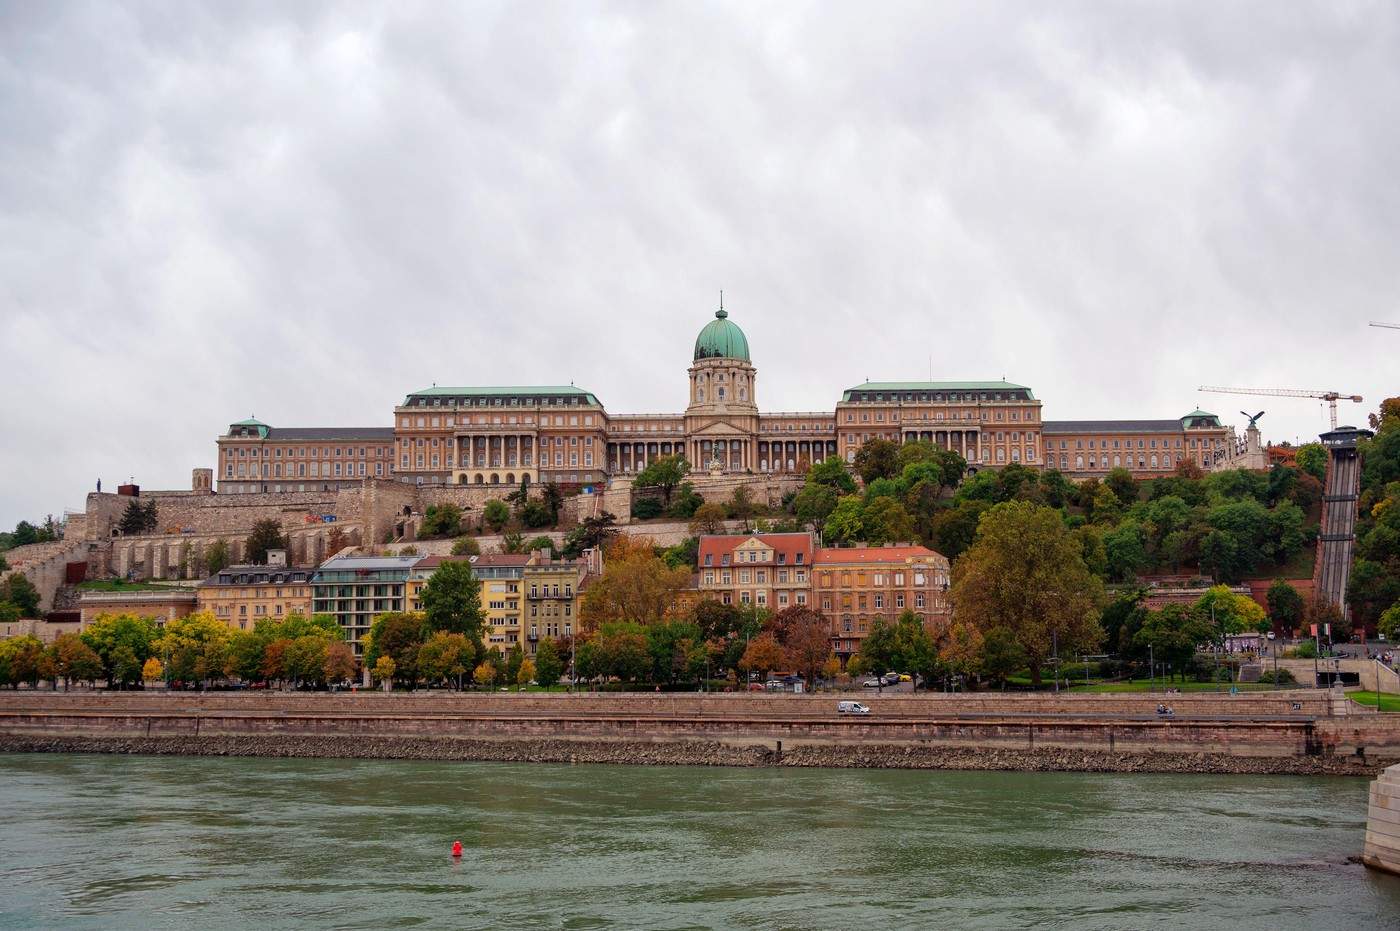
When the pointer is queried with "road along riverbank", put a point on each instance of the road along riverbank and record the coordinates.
(1297, 732)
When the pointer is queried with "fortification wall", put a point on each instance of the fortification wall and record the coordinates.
(44, 564)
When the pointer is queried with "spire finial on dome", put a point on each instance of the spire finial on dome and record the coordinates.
(721, 313)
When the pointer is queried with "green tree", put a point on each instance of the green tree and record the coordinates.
(708, 519)
(1125, 487)
(813, 504)
(20, 592)
(304, 660)
(266, 535)
(513, 542)
(1389, 623)
(1227, 613)
(1285, 606)
(832, 472)
(553, 499)
(535, 513)
(591, 533)
(397, 635)
(132, 522)
(1173, 634)
(884, 520)
(665, 474)
(1001, 654)
(1125, 548)
(446, 657)
(197, 647)
(954, 528)
(1025, 571)
(845, 524)
(741, 505)
(685, 502)
(451, 600)
(1312, 459)
(496, 514)
(441, 520)
(877, 458)
(114, 637)
(216, 557)
(384, 669)
(880, 648)
(1221, 557)
(914, 649)
(548, 665)
(73, 660)
(21, 661)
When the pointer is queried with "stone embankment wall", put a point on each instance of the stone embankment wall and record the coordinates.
(45, 564)
(1094, 730)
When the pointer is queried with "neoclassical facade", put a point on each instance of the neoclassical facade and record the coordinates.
(563, 434)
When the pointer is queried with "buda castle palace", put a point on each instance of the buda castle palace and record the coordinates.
(503, 435)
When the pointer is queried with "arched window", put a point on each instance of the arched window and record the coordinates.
(719, 392)
(743, 394)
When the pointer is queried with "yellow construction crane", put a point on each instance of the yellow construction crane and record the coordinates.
(1331, 397)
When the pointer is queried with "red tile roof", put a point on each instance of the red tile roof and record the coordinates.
(870, 554)
(787, 544)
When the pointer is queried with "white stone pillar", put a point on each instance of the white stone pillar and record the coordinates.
(1382, 850)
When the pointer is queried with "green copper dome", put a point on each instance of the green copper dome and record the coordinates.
(721, 339)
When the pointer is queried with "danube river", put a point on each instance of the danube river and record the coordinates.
(176, 842)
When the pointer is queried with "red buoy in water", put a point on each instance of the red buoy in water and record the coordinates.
(456, 848)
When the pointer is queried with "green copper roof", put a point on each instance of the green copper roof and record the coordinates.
(526, 391)
(721, 339)
(261, 427)
(901, 386)
(1194, 419)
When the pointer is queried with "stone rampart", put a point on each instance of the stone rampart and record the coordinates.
(45, 565)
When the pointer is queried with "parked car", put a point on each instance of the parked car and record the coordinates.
(905, 677)
(774, 685)
(851, 707)
(755, 686)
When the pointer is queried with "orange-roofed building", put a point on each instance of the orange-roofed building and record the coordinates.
(769, 570)
(853, 586)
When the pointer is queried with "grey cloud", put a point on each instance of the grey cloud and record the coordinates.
(306, 211)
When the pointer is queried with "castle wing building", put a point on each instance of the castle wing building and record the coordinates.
(563, 434)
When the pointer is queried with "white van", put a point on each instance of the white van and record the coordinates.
(851, 707)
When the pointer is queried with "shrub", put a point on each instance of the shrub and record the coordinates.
(646, 508)
(1284, 677)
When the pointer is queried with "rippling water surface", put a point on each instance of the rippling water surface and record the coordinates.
(144, 842)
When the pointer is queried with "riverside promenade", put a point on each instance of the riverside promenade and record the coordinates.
(1303, 731)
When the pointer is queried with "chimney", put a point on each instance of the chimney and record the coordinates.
(277, 558)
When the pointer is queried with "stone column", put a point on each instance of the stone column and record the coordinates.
(1382, 850)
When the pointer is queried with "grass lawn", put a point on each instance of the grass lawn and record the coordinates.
(1142, 685)
(116, 585)
(1388, 702)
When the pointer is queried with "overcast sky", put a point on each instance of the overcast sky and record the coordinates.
(301, 212)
